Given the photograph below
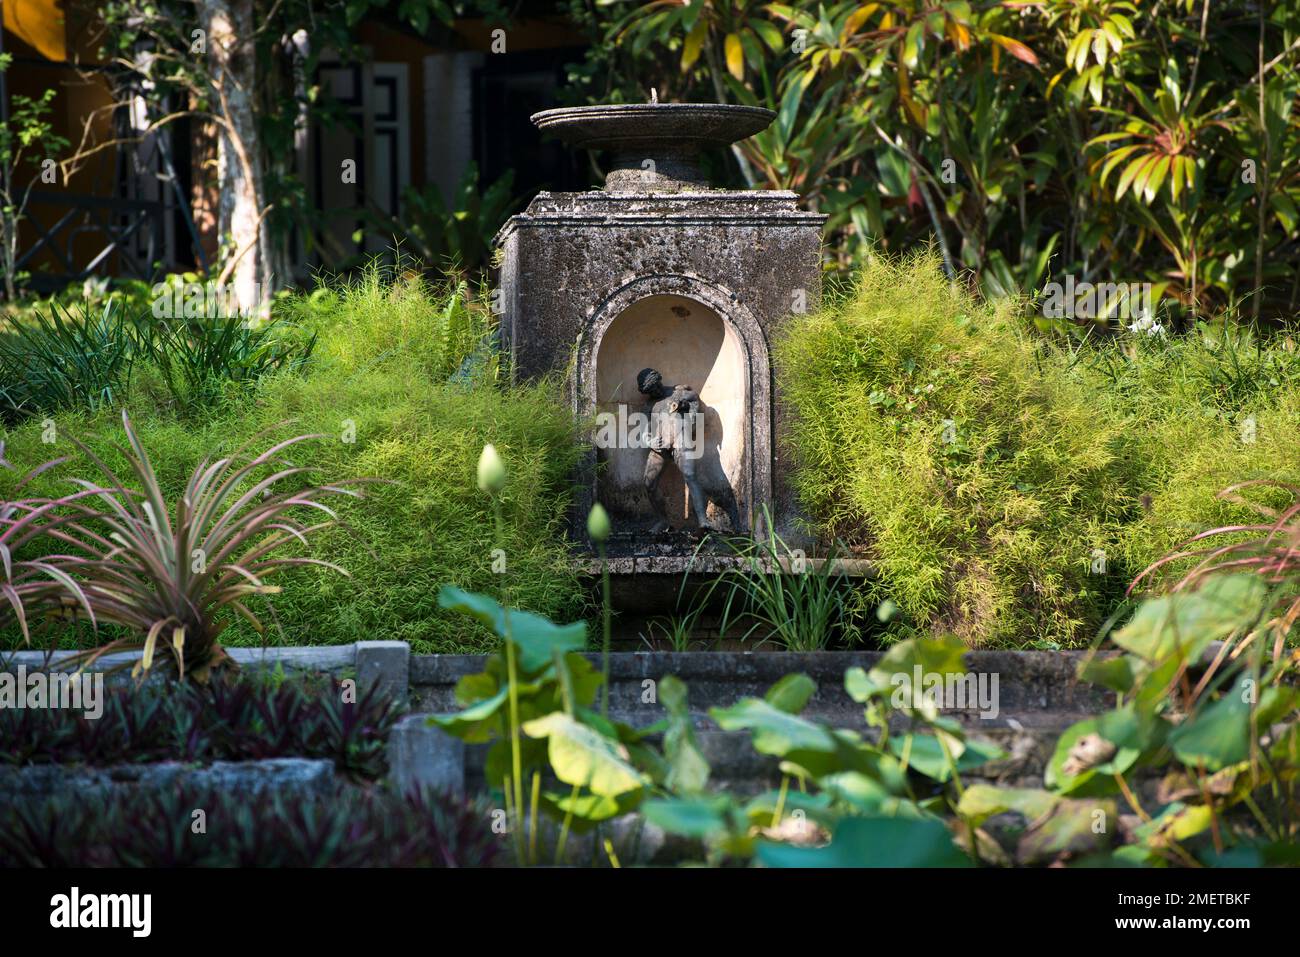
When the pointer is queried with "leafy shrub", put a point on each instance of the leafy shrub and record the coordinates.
(84, 354)
(239, 717)
(388, 312)
(200, 360)
(56, 357)
(396, 384)
(932, 430)
(351, 828)
(1008, 487)
(456, 235)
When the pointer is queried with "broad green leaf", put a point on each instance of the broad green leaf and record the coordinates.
(590, 809)
(1114, 672)
(689, 817)
(1184, 623)
(925, 754)
(688, 770)
(477, 722)
(584, 757)
(867, 794)
(774, 731)
(874, 842)
(1069, 827)
(791, 693)
(1218, 735)
(535, 637)
(979, 802)
(762, 807)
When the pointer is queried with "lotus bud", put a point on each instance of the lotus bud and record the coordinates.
(598, 524)
(491, 471)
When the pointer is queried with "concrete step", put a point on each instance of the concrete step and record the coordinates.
(1037, 697)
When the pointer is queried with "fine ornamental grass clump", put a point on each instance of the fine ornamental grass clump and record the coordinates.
(87, 355)
(60, 357)
(930, 435)
(1008, 486)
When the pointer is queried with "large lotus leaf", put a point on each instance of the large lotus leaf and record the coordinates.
(874, 842)
(1130, 855)
(861, 686)
(942, 656)
(791, 693)
(1070, 826)
(1133, 731)
(701, 817)
(774, 731)
(1176, 821)
(477, 687)
(478, 722)
(688, 769)
(585, 679)
(1114, 672)
(908, 674)
(867, 795)
(924, 754)
(536, 638)
(762, 808)
(1095, 780)
(850, 754)
(587, 809)
(1258, 854)
(979, 802)
(1218, 734)
(582, 756)
(1182, 624)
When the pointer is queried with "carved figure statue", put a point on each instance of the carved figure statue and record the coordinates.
(677, 435)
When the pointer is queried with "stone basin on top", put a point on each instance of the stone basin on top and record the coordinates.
(655, 146)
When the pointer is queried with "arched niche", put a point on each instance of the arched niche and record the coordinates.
(697, 334)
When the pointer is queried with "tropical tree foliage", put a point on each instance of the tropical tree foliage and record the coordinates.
(1103, 139)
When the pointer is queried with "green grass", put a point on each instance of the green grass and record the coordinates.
(381, 369)
(987, 470)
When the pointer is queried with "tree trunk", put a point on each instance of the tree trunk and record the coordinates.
(246, 249)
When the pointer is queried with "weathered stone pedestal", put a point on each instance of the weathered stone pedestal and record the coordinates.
(658, 270)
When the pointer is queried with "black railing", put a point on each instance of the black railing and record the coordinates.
(124, 234)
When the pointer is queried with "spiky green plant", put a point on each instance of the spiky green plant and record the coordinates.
(171, 575)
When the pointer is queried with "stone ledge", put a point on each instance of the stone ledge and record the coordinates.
(714, 564)
(330, 659)
(299, 777)
(1035, 688)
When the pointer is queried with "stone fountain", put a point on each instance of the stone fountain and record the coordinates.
(656, 299)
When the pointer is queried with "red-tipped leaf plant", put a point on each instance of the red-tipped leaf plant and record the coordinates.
(1269, 548)
(174, 577)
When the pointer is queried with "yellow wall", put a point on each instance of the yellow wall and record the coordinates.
(40, 24)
